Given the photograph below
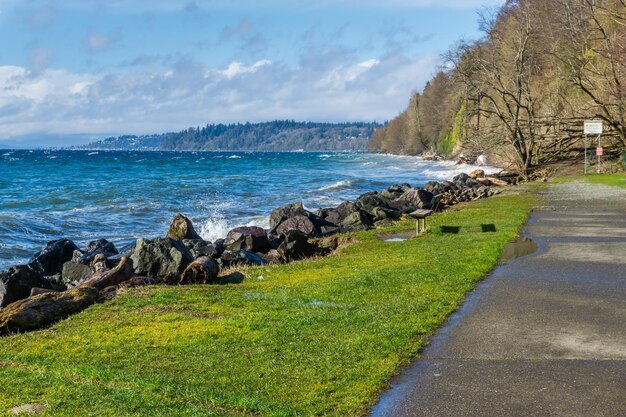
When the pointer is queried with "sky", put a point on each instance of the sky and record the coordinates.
(75, 70)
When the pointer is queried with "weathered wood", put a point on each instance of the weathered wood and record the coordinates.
(420, 214)
(497, 182)
(100, 280)
(203, 270)
(37, 291)
(35, 312)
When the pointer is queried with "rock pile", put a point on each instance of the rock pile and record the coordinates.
(65, 276)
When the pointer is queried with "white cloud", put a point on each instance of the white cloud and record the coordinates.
(237, 68)
(188, 93)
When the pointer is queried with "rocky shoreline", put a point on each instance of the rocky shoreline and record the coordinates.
(64, 279)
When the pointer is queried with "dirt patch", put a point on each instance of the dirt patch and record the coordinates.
(31, 409)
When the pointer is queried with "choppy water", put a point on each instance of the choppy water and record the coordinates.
(121, 195)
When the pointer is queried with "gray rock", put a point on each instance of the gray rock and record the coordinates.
(283, 213)
(182, 228)
(395, 191)
(288, 213)
(250, 238)
(368, 202)
(160, 257)
(418, 197)
(299, 223)
(402, 206)
(349, 216)
(73, 273)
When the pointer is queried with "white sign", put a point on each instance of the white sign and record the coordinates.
(593, 127)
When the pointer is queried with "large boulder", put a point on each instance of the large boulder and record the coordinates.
(376, 205)
(250, 238)
(298, 218)
(418, 197)
(300, 223)
(296, 246)
(395, 191)
(16, 283)
(368, 202)
(182, 228)
(41, 310)
(240, 258)
(160, 257)
(402, 206)
(349, 215)
(283, 213)
(437, 187)
(51, 259)
(461, 179)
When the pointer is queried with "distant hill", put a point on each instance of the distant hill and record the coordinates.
(279, 135)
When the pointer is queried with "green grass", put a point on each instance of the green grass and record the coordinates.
(315, 338)
(616, 180)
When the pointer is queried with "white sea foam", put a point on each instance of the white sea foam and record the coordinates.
(234, 157)
(93, 153)
(339, 185)
(213, 228)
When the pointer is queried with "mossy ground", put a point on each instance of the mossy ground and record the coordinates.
(320, 337)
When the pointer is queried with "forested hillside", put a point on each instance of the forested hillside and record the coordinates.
(280, 135)
(521, 92)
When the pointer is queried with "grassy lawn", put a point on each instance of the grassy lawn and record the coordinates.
(319, 337)
(617, 180)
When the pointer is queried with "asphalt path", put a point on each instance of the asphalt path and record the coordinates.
(544, 334)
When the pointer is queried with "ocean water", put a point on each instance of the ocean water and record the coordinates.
(120, 196)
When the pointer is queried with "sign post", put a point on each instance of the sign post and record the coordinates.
(593, 127)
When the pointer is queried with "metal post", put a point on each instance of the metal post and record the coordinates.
(585, 154)
(599, 157)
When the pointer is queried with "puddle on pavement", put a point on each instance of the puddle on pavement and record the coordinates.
(521, 246)
(401, 236)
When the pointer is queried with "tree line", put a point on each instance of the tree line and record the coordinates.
(277, 135)
(522, 91)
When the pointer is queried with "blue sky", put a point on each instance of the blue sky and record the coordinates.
(77, 69)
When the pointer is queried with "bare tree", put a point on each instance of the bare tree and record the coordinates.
(593, 51)
(503, 71)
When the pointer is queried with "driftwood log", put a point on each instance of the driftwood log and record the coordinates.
(203, 270)
(100, 280)
(37, 291)
(44, 308)
(498, 182)
(40, 310)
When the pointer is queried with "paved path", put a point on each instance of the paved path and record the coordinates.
(544, 335)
